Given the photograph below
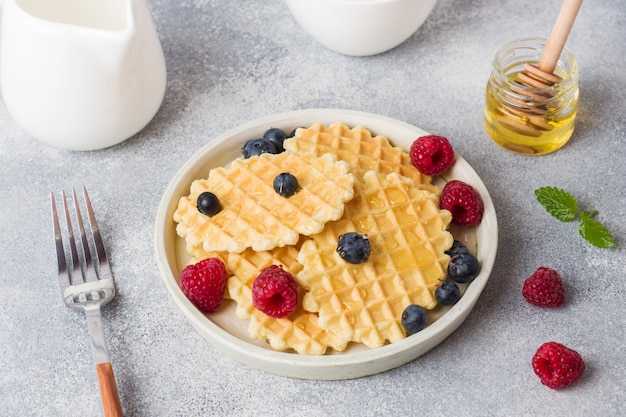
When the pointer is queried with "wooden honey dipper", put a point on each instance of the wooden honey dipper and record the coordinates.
(542, 75)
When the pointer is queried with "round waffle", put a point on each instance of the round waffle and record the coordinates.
(255, 216)
(408, 235)
(360, 149)
(300, 330)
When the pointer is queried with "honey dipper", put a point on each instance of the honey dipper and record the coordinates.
(542, 75)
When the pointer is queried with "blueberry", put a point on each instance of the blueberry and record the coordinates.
(277, 137)
(448, 293)
(258, 146)
(285, 184)
(208, 204)
(457, 248)
(463, 268)
(353, 247)
(414, 318)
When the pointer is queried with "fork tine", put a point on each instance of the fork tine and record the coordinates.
(89, 270)
(64, 278)
(76, 274)
(105, 268)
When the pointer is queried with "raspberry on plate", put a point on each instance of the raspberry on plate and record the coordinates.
(204, 284)
(432, 154)
(557, 365)
(275, 292)
(544, 288)
(463, 201)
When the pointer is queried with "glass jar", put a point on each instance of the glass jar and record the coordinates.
(530, 120)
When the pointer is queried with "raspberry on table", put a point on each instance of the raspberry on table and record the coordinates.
(204, 284)
(275, 292)
(557, 365)
(463, 201)
(431, 154)
(544, 288)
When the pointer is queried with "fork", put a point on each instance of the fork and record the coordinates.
(87, 286)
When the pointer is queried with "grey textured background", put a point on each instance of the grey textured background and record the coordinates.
(230, 62)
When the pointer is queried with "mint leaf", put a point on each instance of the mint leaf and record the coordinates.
(558, 203)
(593, 232)
(563, 206)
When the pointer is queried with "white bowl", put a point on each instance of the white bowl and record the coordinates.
(360, 27)
(229, 334)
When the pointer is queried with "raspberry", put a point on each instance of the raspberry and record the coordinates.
(204, 284)
(432, 154)
(557, 365)
(463, 202)
(275, 292)
(544, 288)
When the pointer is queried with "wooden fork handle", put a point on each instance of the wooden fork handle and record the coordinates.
(111, 404)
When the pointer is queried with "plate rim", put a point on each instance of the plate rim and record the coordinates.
(345, 365)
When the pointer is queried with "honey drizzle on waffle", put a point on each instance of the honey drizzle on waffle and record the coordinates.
(300, 331)
(360, 149)
(341, 303)
(253, 214)
(408, 234)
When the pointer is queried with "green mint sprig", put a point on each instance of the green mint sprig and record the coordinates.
(564, 207)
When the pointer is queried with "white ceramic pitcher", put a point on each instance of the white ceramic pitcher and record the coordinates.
(80, 74)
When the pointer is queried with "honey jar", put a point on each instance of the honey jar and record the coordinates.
(527, 119)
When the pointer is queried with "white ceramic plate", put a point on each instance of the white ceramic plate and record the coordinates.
(229, 334)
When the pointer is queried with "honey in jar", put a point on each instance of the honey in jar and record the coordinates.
(524, 119)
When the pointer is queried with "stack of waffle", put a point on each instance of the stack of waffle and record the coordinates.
(349, 181)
